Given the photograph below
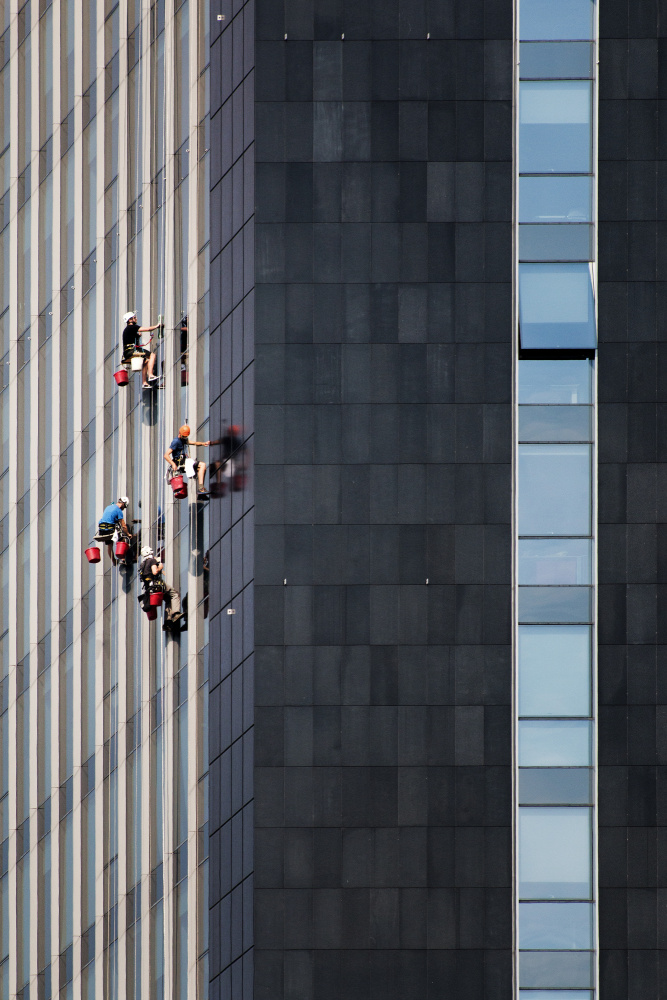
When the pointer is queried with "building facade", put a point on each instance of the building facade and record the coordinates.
(103, 796)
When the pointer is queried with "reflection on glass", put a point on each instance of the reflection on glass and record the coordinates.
(567, 381)
(556, 925)
(555, 127)
(555, 995)
(555, 604)
(554, 489)
(554, 561)
(555, 199)
(541, 786)
(554, 852)
(555, 423)
(556, 743)
(561, 969)
(554, 670)
(538, 243)
(555, 60)
(556, 306)
(566, 19)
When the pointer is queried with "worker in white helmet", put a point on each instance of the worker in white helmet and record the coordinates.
(112, 521)
(132, 345)
(150, 571)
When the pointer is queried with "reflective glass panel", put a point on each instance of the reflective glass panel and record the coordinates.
(554, 670)
(555, 995)
(567, 381)
(555, 423)
(566, 19)
(558, 242)
(555, 135)
(555, 852)
(555, 785)
(554, 489)
(555, 199)
(554, 561)
(556, 743)
(556, 306)
(561, 969)
(556, 60)
(556, 925)
(555, 604)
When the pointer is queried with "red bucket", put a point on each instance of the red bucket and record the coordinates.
(151, 614)
(121, 549)
(121, 376)
(179, 487)
(238, 481)
(181, 494)
(185, 376)
(155, 600)
(93, 554)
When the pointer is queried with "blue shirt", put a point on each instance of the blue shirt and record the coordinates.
(111, 514)
(178, 447)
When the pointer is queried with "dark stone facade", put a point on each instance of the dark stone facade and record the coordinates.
(632, 500)
(383, 461)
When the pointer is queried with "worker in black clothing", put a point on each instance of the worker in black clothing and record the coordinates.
(132, 345)
(150, 572)
(177, 456)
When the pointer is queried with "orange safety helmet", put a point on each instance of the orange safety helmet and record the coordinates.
(235, 429)
(184, 431)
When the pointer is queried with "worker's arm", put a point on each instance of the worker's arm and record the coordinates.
(156, 569)
(200, 444)
(148, 329)
(168, 458)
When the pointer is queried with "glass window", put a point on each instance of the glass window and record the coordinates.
(555, 199)
(556, 925)
(554, 561)
(555, 743)
(555, 604)
(555, 852)
(566, 381)
(555, 995)
(566, 19)
(537, 243)
(562, 969)
(556, 306)
(555, 423)
(554, 670)
(554, 489)
(555, 135)
(555, 60)
(541, 786)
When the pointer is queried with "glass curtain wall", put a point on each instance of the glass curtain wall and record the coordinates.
(103, 209)
(555, 556)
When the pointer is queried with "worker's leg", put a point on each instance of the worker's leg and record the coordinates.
(173, 601)
(151, 365)
(201, 472)
(110, 551)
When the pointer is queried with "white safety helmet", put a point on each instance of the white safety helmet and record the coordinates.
(128, 316)
(124, 500)
(146, 551)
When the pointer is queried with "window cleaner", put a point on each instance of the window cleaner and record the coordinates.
(155, 590)
(111, 525)
(137, 355)
(230, 468)
(178, 458)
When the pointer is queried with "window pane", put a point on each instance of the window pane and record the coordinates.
(554, 561)
(559, 743)
(555, 127)
(555, 242)
(555, 995)
(555, 423)
(555, 199)
(565, 19)
(554, 489)
(555, 604)
(555, 60)
(562, 969)
(554, 670)
(556, 925)
(567, 381)
(556, 307)
(554, 852)
(541, 786)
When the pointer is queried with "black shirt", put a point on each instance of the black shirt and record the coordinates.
(130, 337)
(147, 568)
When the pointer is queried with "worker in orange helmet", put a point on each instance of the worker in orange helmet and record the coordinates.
(178, 458)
